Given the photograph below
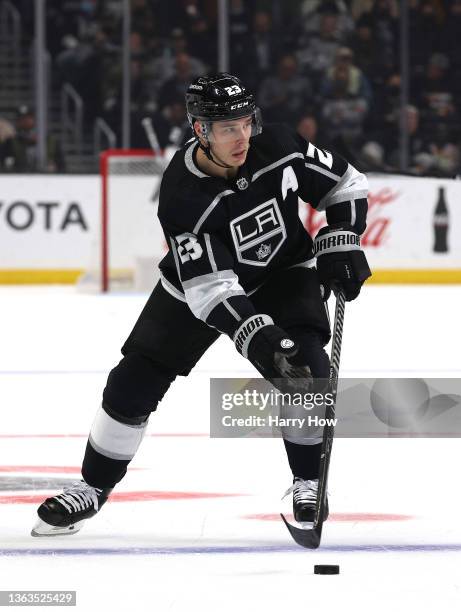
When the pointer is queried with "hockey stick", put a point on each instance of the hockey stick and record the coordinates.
(151, 135)
(310, 538)
(155, 146)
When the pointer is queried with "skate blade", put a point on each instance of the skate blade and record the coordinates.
(305, 524)
(42, 529)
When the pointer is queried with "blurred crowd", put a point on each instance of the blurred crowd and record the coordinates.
(330, 68)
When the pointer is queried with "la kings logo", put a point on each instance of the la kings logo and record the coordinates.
(258, 234)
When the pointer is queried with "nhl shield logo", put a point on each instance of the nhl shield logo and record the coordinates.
(242, 183)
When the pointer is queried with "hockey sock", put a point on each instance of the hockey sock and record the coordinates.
(304, 459)
(111, 446)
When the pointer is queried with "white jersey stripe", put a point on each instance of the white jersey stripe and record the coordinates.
(175, 255)
(189, 161)
(335, 177)
(210, 208)
(352, 185)
(275, 164)
(353, 213)
(233, 312)
(205, 292)
(214, 267)
(172, 289)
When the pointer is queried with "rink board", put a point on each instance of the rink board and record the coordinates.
(51, 228)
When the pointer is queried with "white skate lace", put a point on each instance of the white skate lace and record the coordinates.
(304, 491)
(78, 497)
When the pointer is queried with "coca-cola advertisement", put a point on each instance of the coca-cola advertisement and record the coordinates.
(410, 221)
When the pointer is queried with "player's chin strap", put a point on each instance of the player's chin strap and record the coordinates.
(207, 151)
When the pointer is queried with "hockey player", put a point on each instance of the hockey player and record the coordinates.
(240, 263)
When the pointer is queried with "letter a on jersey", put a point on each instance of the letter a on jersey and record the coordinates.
(289, 181)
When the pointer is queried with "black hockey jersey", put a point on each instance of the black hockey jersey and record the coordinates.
(227, 236)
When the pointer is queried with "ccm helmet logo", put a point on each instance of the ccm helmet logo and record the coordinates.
(286, 343)
(240, 105)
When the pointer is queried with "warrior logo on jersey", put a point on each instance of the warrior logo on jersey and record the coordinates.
(258, 234)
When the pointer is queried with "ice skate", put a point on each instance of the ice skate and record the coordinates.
(67, 512)
(305, 500)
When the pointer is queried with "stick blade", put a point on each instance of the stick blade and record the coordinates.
(308, 538)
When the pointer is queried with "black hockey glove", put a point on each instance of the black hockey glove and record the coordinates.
(268, 348)
(341, 263)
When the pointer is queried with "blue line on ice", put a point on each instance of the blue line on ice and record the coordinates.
(193, 550)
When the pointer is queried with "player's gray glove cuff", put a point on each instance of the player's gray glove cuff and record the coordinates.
(247, 330)
(341, 263)
(268, 347)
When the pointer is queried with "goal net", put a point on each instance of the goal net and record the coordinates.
(130, 242)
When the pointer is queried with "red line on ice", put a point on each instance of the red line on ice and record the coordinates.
(152, 435)
(125, 496)
(341, 517)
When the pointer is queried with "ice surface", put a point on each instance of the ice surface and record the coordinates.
(194, 524)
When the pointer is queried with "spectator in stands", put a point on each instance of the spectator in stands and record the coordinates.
(384, 116)
(316, 52)
(427, 31)
(143, 19)
(176, 86)
(385, 27)
(359, 7)
(362, 42)
(372, 158)
(286, 94)
(452, 32)
(436, 78)
(203, 43)
(260, 50)
(171, 126)
(416, 139)
(343, 112)
(311, 15)
(307, 127)
(357, 85)
(239, 22)
(19, 152)
(444, 151)
(6, 130)
(163, 68)
(437, 102)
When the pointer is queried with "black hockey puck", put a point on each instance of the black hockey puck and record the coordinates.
(326, 569)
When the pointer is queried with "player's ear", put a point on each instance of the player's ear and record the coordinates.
(198, 129)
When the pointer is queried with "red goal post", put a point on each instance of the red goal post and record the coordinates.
(130, 233)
